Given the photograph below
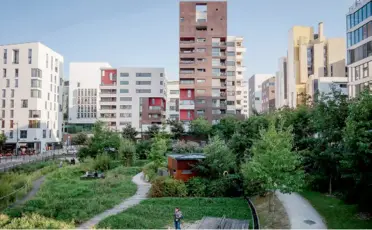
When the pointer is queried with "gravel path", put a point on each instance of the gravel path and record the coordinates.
(35, 188)
(300, 212)
(141, 194)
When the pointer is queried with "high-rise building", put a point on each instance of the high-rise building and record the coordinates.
(281, 86)
(312, 54)
(255, 92)
(134, 96)
(245, 99)
(268, 95)
(31, 98)
(173, 97)
(203, 60)
(359, 46)
(65, 93)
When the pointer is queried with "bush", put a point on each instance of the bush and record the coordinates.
(186, 147)
(4, 220)
(227, 186)
(142, 148)
(150, 170)
(168, 187)
(35, 221)
(127, 152)
(197, 187)
(102, 162)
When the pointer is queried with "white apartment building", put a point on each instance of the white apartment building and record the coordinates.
(85, 78)
(65, 93)
(173, 98)
(255, 92)
(245, 110)
(31, 98)
(324, 85)
(133, 96)
(235, 75)
(281, 87)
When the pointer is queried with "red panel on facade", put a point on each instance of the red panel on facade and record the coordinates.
(186, 115)
(153, 101)
(108, 76)
(187, 94)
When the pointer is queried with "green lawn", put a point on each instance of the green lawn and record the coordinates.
(336, 213)
(65, 197)
(158, 212)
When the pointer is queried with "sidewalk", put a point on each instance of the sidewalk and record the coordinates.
(300, 212)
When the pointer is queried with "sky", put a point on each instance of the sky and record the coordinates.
(135, 33)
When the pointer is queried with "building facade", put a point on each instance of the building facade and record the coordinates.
(359, 46)
(281, 86)
(268, 95)
(312, 54)
(31, 98)
(324, 85)
(65, 101)
(245, 99)
(173, 98)
(255, 92)
(134, 96)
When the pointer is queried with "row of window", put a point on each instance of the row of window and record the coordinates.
(23, 134)
(15, 56)
(359, 16)
(360, 34)
(360, 71)
(88, 109)
(86, 100)
(360, 53)
(87, 92)
(140, 75)
(86, 115)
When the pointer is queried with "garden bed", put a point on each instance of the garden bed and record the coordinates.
(158, 212)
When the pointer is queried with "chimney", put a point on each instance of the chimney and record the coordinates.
(321, 31)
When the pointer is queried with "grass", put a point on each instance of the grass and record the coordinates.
(158, 212)
(336, 213)
(65, 197)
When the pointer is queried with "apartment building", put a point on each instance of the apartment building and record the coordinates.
(173, 97)
(281, 86)
(65, 93)
(245, 111)
(203, 60)
(31, 98)
(325, 85)
(255, 92)
(268, 95)
(312, 54)
(134, 96)
(359, 46)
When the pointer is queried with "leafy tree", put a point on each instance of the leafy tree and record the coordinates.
(159, 147)
(127, 152)
(129, 132)
(142, 148)
(273, 165)
(153, 130)
(200, 127)
(80, 139)
(219, 160)
(176, 128)
(3, 139)
(186, 147)
(226, 127)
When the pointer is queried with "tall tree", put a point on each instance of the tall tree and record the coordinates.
(3, 139)
(127, 152)
(129, 132)
(80, 139)
(158, 150)
(226, 127)
(153, 130)
(200, 127)
(176, 128)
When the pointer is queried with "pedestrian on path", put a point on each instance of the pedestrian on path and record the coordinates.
(60, 164)
(177, 218)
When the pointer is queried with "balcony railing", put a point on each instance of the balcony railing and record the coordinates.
(187, 41)
(187, 62)
(219, 44)
(110, 84)
(187, 72)
(187, 51)
(155, 108)
(187, 82)
(187, 102)
(107, 100)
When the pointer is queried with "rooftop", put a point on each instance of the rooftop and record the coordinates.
(191, 156)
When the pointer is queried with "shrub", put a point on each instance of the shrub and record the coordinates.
(36, 221)
(142, 148)
(168, 187)
(150, 170)
(227, 186)
(197, 187)
(127, 152)
(102, 162)
(186, 147)
(4, 219)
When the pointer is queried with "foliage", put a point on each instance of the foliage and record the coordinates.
(200, 127)
(158, 212)
(102, 162)
(168, 187)
(64, 197)
(219, 159)
(226, 127)
(143, 148)
(186, 147)
(35, 221)
(273, 165)
(153, 130)
(127, 152)
(129, 132)
(176, 128)
(229, 185)
(80, 139)
(197, 187)
(159, 147)
(150, 170)
(3, 139)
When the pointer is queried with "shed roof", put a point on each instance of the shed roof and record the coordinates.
(191, 156)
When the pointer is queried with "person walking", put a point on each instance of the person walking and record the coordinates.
(177, 219)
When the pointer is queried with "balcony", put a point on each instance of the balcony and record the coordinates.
(187, 72)
(187, 41)
(218, 44)
(221, 54)
(240, 49)
(155, 109)
(187, 51)
(187, 62)
(187, 104)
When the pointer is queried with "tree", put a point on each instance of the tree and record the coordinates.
(129, 132)
(3, 139)
(273, 165)
(176, 128)
(142, 148)
(200, 127)
(158, 150)
(153, 130)
(80, 139)
(226, 127)
(127, 152)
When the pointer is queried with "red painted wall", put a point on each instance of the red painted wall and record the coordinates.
(183, 94)
(158, 101)
(183, 115)
(105, 79)
(175, 168)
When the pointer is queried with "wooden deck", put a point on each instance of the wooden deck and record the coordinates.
(222, 223)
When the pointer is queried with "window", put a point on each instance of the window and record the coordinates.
(161, 74)
(365, 70)
(5, 57)
(50, 133)
(125, 99)
(200, 112)
(51, 62)
(201, 50)
(35, 114)
(215, 62)
(24, 103)
(46, 60)
(230, 44)
(23, 134)
(16, 83)
(230, 53)
(4, 93)
(188, 114)
(2, 124)
(35, 83)
(189, 93)
(174, 92)
(125, 115)
(161, 82)
(200, 101)
(143, 82)
(3, 103)
(11, 113)
(143, 90)
(230, 63)
(33, 124)
(124, 82)
(11, 103)
(29, 56)
(182, 19)
(35, 93)
(15, 56)
(16, 72)
(200, 91)
(11, 134)
(4, 72)
(201, 40)
(125, 107)
(124, 90)
(36, 73)
(143, 74)
(200, 81)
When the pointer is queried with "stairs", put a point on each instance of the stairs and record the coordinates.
(222, 223)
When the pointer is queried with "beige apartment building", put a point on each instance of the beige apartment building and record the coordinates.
(312, 55)
(268, 95)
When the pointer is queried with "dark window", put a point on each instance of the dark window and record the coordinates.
(23, 134)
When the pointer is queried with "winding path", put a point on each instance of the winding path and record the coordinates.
(35, 188)
(141, 194)
(300, 212)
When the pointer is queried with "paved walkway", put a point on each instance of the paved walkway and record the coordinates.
(35, 188)
(300, 212)
(141, 194)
